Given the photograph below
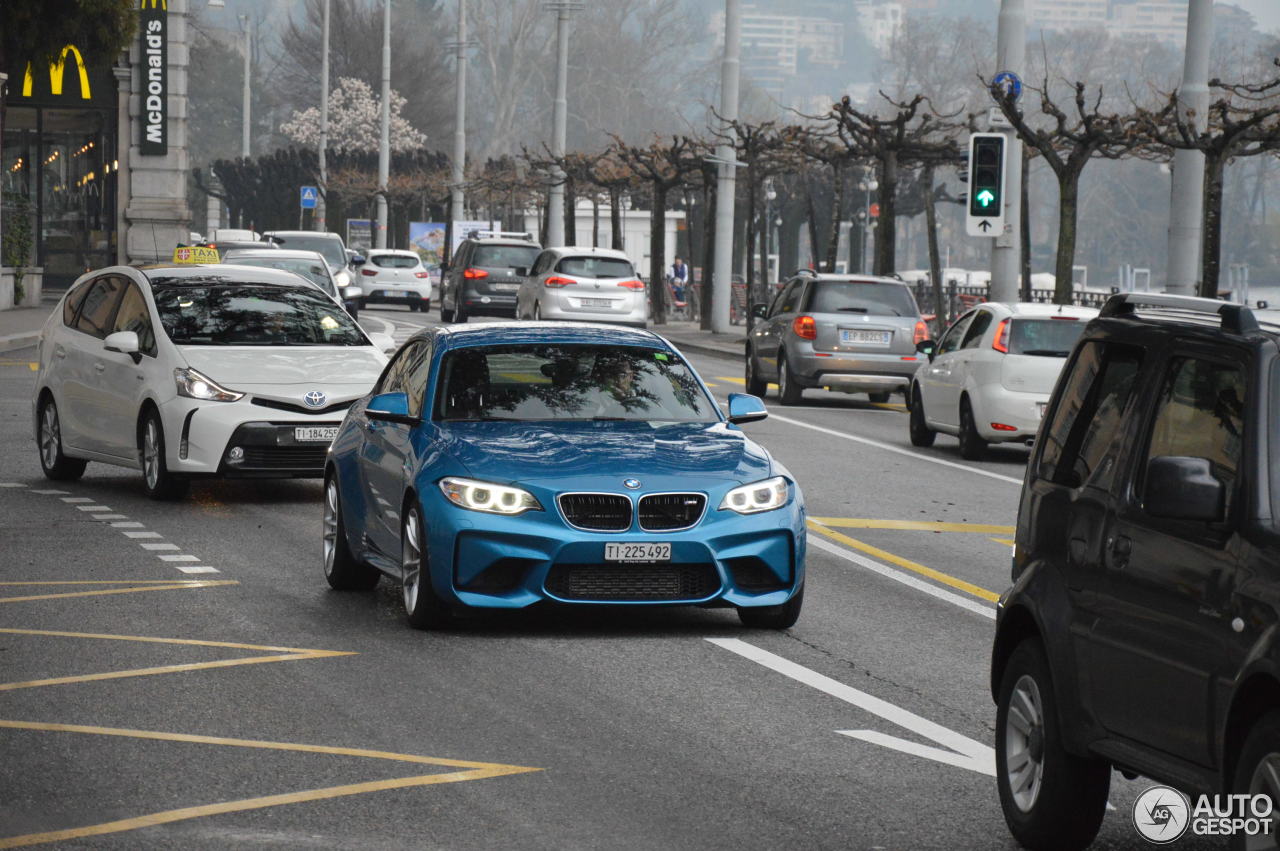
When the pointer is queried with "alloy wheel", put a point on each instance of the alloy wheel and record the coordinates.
(151, 453)
(410, 561)
(1024, 743)
(50, 436)
(330, 533)
(1266, 781)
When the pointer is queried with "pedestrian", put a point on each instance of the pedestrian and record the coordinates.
(679, 278)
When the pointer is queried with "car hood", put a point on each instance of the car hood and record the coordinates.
(604, 452)
(234, 366)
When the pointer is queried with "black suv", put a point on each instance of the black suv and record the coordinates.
(1141, 628)
(484, 276)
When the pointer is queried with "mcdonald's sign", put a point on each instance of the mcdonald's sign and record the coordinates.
(73, 80)
(57, 70)
(154, 59)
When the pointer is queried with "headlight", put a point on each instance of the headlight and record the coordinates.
(193, 385)
(342, 278)
(486, 496)
(757, 496)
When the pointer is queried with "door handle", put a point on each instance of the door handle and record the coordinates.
(59, 352)
(99, 366)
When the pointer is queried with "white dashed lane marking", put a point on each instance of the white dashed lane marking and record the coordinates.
(129, 533)
(155, 547)
(49, 491)
(179, 558)
(110, 517)
(127, 524)
(72, 500)
(12, 485)
(187, 568)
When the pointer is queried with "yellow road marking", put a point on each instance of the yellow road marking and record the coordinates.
(279, 654)
(473, 771)
(888, 406)
(143, 585)
(907, 564)
(914, 525)
(742, 381)
(1009, 542)
(34, 367)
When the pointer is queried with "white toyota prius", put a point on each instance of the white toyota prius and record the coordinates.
(191, 371)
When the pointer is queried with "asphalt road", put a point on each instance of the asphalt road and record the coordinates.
(180, 675)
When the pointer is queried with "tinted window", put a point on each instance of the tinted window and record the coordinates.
(394, 261)
(1047, 337)
(870, 297)
(503, 256)
(1082, 442)
(253, 315)
(314, 271)
(951, 340)
(415, 377)
(1200, 414)
(134, 316)
(99, 304)
(330, 247)
(72, 303)
(596, 267)
(981, 322)
(392, 380)
(570, 382)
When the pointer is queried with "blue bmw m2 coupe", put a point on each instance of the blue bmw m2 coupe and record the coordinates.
(499, 466)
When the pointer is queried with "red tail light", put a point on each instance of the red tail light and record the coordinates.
(421, 275)
(1003, 427)
(632, 285)
(474, 273)
(370, 273)
(922, 332)
(557, 281)
(1066, 318)
(805, 327)
(1001, 341)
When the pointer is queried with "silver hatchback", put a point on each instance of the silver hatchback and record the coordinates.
(585, 284)
(843, 332)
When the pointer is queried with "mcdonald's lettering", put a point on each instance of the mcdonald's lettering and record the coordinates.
(154, 78)
(57, 70)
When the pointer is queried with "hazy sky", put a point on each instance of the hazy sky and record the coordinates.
(1267, 12)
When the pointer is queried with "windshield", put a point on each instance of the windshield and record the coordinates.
(596, 267)
(394, 261)
(569, 382)
(253, 315)
(866, 297)
(329, 246)
(1046, 337)
(313, 270)
(505, 256)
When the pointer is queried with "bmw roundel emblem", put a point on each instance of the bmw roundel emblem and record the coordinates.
(631, 484)
(314, 399)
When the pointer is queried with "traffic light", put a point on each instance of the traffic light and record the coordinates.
(986, 174)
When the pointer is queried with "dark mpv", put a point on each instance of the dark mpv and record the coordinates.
(1141, 629)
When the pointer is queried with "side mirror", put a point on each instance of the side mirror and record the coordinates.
(352, 293)
(1180, 487)
(124, 342)
(758, 311)
(390, 408)
(744, 408)
(926, 348)
(385, 342)
(522, 271)
(358, 260)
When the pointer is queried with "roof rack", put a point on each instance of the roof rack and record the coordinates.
(499, 234)
(1236, 318)
(810, 272)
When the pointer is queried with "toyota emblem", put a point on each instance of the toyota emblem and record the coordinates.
(314, 399)
(631, 484)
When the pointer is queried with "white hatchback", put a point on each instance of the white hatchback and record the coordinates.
(585, 284)
(394, 276)
(990, 376)
(185, 371)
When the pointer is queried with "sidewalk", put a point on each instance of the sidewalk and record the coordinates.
(688, 337)
(21, 326)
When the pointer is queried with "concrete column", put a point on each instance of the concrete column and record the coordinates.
(154, 188)
(1186, 203)
(721, 284)
(125, 140)
(1006, 252)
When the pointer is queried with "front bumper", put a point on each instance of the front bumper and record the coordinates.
(491, 561)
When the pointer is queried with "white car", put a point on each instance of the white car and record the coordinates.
(989, 377)
(186, 371)
(587, 284)
(329, 245)
(395, 276)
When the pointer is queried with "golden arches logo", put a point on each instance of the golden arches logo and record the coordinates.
(56, 70)
(155, 4)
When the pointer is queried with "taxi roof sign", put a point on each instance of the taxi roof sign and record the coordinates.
(195, 254)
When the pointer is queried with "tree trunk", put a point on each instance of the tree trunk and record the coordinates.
(837, 202)
(1211, 260)
(595, 220)
(1068, 202)
(886, 230)
(657, 254)
(752, 295)
(707, 300)
(570, 214)
(615, 218)
(812, 221)
(935, 259)
(1025, 236)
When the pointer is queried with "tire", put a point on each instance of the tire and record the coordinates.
(446, 315)
(789, 392)
(55, 464)
(756, 385)
(879, 398)
(343, 570)
(537, 312)
(921, 434)
(423, 608)
(425, 306)
(972, 446)
(782, 616)
(157, 481)
(1257, 769)
(1060, 798)
(459, 315)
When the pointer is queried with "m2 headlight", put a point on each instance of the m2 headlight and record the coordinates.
(193, 385)
(759, 496)
(487, 496)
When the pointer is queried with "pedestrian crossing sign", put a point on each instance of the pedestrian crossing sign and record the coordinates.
(308, 197)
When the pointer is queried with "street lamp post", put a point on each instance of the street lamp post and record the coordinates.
(244, 117)
(559, 118)
(457, 175)
(319, 220)
(384, 143)
(769, 195)
(866, 222)
(722, 286)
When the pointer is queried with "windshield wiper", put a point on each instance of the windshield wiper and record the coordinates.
(1054, 353)
(852, 309)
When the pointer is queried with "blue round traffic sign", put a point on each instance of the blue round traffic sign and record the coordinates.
(1006, 84)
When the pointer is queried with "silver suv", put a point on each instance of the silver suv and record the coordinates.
(849, 333)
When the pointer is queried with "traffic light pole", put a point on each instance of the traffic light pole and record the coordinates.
(1006, 252)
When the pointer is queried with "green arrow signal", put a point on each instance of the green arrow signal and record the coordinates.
(986, 197)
